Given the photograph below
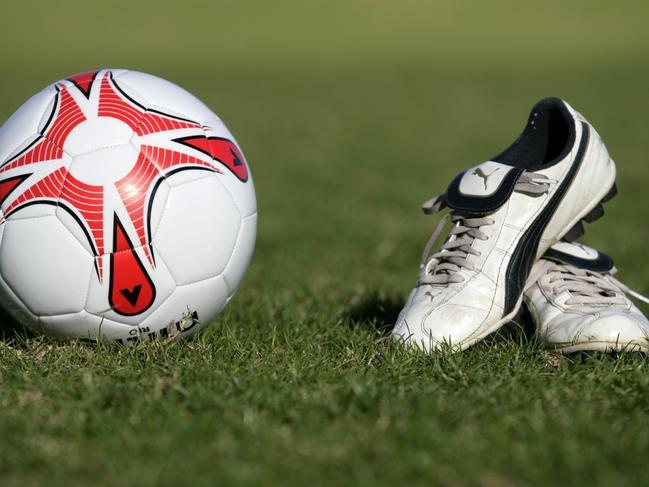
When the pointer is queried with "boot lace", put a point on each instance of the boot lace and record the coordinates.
(443, 267)
(588, 288)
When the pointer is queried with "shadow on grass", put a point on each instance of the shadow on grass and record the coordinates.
(11, 330)
(520, 329)
(375, 310)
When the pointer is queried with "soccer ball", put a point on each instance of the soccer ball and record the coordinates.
(127, 210)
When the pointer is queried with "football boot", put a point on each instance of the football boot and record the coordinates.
(505, 213)
(577, 304)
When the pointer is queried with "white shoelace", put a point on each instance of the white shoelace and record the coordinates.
(586, 288)
(443, 267)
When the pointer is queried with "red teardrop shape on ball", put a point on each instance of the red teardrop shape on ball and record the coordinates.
(131, 290)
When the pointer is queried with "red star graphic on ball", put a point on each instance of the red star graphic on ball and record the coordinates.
(23, 182)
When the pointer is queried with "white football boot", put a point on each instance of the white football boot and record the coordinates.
(577, 304)
(506, 213)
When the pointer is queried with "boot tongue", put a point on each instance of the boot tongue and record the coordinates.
(483, 188)
(580, 256)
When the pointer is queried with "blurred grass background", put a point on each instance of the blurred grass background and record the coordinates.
(351, 113)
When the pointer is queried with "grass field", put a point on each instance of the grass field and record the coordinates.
(351, 114)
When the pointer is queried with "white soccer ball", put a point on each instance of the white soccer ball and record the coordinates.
(127, 209)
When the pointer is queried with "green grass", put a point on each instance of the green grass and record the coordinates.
(351, 114)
